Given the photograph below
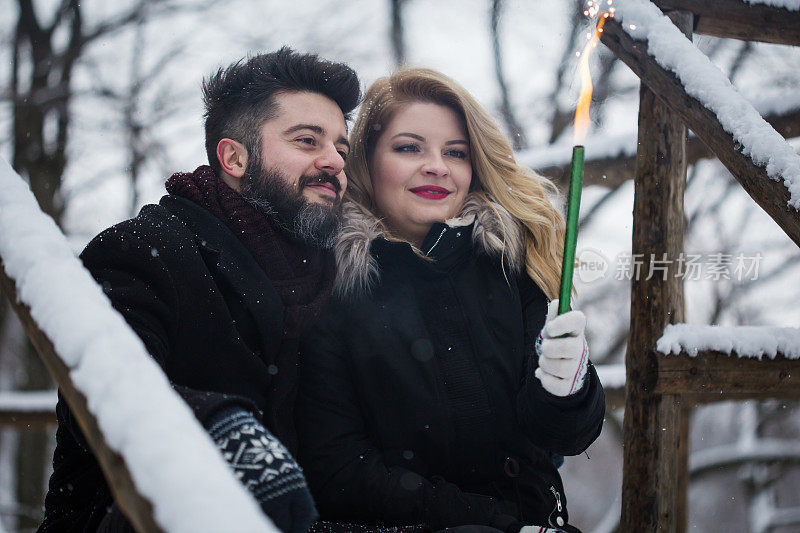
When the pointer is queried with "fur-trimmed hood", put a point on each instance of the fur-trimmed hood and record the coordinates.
(358, 271)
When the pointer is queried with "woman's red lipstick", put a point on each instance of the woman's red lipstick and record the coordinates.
(432, 192)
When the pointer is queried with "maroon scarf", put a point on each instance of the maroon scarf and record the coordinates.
(302, 276)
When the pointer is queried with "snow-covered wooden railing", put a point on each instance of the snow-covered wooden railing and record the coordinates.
(768, 21)
(696, 90)
(680, 88)
(164, 470)
(611, 160)
(704, 362)
(27, 408)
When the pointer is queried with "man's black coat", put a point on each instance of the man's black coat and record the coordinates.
(208, 315)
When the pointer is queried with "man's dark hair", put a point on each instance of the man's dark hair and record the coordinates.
(241, 97)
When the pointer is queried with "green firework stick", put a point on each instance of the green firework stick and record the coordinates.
(571, 236)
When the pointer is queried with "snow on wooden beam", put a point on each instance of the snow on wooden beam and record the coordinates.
(776, 159)
(28, 408)
(754, 342)
(611, 170)
(734, 19)
(164, 470)
(712, 363)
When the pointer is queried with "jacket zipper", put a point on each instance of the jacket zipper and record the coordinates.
(437, 242)
(559, 520)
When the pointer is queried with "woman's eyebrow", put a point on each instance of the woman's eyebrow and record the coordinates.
(412, 135)
(421, 138)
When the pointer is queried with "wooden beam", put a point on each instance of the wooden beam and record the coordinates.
(772, 196)
(26, 409)
(653, 422)
(612, 172)
(609, 172)
(27, 419)
(135, 507)
(734, 19)
(716, 376)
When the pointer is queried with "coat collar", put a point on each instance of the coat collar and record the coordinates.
(228, 256)
(358, 270)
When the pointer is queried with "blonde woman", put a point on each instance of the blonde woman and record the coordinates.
(439, 390)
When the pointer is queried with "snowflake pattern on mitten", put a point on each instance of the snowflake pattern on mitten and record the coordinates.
(258, 459)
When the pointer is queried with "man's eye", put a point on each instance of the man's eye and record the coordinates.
(460, 154)
(307, 140)
(343, 154)
(406, 148)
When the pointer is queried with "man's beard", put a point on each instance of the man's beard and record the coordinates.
(314, 224)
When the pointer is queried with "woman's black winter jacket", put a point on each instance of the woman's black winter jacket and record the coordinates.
(417, 401)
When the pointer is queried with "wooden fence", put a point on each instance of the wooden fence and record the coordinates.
(661, 390)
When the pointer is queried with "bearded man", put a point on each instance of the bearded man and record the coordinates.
(223, 276)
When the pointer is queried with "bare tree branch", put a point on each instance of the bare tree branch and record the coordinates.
(515, 131)
(598, 205)
(120, 21)
(744, 53)
(560, 118)
(396, 32)
(602, 85)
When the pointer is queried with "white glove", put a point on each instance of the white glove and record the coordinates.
(563, 352)
(538, 529)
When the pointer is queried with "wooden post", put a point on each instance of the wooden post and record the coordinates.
(652, 423)
(138, 510)
(682, 512)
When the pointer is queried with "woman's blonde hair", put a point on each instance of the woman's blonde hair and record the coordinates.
(495, 173)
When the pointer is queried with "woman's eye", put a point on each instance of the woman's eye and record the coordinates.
(406, 148)
(460, 154)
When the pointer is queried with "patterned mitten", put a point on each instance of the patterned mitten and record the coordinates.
(265, 467)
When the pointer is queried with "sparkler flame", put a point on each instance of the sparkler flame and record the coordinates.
(581, 124)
